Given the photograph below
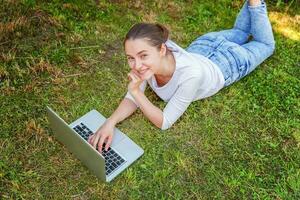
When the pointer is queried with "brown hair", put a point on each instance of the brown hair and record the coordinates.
(155, 34)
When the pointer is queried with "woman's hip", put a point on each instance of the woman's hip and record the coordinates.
(232, 59)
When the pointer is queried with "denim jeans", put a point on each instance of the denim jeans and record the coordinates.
(232, 51)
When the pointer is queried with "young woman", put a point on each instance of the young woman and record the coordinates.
(181, 76)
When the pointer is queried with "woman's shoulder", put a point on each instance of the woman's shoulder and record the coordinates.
(186, 66)
(173, 46)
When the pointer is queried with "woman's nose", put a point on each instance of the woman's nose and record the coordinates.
(137, 65)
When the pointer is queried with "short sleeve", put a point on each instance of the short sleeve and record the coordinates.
(180, 101)
(142, 88)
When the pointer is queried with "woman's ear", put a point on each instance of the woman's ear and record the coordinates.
(163, 49)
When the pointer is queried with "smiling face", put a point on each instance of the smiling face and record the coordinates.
(143, 58)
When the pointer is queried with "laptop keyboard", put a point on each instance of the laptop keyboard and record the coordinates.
(112, 159)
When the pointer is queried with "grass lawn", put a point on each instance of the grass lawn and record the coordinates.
(242, 143)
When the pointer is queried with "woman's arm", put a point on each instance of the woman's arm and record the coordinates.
(124, 110)
(176, 106)
(153, 113)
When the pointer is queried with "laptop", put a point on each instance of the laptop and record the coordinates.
(106, 166)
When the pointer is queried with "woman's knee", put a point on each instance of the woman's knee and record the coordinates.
(271, 48)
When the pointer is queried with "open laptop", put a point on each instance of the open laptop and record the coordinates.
(106, 166)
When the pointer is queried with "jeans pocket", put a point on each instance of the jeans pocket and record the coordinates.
(203, 47)
(240, 56)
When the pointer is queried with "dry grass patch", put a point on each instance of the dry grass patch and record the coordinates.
(44, 66)
(34, 129)
(9, 27)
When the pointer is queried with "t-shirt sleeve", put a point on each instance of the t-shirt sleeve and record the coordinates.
(180, 101)
(142, 88)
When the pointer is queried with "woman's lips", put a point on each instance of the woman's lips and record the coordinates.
(142, 71)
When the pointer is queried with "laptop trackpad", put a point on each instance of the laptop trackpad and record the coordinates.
(117, 138)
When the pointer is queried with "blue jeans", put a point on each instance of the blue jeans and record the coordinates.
(232, 51)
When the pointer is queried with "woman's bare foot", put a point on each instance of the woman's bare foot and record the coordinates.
(254, 2)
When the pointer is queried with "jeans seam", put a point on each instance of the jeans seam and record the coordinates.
(229, 63)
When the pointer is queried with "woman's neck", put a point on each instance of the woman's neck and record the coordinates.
(167, 69)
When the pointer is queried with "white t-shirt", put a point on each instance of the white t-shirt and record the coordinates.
(195, 77)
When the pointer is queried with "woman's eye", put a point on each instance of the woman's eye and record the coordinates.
(143, 56)
(130, 59)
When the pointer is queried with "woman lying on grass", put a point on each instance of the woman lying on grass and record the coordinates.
(181, 76)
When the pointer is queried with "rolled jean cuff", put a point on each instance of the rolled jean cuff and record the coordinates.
(262, 4)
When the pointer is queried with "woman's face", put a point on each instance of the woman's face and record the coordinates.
(143, 58)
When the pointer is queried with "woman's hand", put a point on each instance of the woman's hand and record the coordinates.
(103, 134)
(135, 82)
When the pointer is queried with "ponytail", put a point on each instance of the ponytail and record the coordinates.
(165, 32)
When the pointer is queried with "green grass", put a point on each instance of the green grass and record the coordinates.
(242, 143)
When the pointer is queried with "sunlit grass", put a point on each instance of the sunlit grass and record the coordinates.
(287, 25)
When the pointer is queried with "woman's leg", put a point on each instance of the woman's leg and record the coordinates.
(239, 34)
(263, 44)
(243, 20)
(236, 61)
(241, 30)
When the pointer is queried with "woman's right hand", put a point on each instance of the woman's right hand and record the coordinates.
(103, 134)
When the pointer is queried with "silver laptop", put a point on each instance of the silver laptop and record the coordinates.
(106, 166)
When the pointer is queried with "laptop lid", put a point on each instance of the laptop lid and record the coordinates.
(77, 145)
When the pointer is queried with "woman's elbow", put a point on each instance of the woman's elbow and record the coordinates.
(159, 125)
(164, 126)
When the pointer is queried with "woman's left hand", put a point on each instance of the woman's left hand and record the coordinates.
(135, 82)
